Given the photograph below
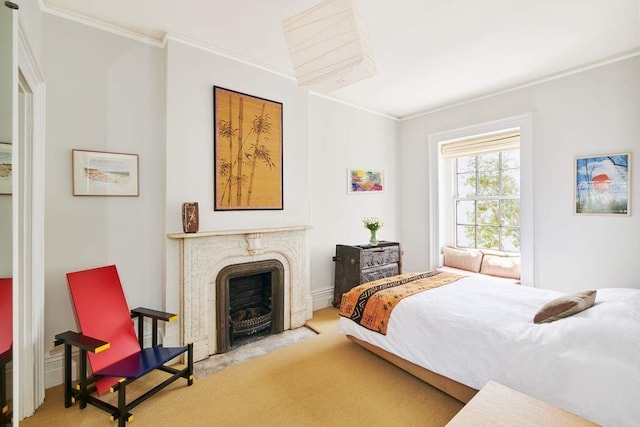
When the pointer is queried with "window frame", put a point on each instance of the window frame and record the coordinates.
(440, 174)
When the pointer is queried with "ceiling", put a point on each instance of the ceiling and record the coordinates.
(429, 54)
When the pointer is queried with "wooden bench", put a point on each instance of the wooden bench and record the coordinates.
(496, 405)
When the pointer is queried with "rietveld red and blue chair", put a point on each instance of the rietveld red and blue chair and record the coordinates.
(6, 345)
(108, 339)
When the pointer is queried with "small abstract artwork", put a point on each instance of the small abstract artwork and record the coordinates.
(365, 181)
(99, 173)
(247, 152)
(6, 168)
(602, 185)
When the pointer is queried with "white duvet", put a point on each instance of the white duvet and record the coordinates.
(475, 330)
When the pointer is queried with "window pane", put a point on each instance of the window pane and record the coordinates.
(511, 239)
(466, 185)
(510, 210)
(466, 164)
(465, 236)
(488, 237)
(511, 182)
(510, 159)
(488, 184)
(466, 212)
(491, 222)
(488, 161)
(488, 212)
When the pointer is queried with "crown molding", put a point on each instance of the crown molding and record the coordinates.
(221, 52)
(96, 23)
(114, 29)
(358, 107)
(576, 70)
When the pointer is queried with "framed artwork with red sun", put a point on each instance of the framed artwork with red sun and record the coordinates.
(602, 184)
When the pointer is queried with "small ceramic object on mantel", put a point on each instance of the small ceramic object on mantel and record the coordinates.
(190, 217)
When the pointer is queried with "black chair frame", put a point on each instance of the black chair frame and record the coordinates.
(84, 390)
(5, 414)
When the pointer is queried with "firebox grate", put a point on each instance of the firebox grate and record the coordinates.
(249, 321)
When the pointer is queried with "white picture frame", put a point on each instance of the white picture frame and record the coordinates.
(363, 181)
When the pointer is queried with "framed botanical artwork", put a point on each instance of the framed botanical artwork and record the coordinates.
(365, 181)
(6, 169)
(100, 173)
(602, 184)
(247, 152)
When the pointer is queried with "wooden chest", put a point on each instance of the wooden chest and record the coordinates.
(359, 264)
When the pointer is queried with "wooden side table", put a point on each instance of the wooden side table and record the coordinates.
(496, 405)
(355, 265)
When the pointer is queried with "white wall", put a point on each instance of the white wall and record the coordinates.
(344, 137)
(321, 138)
(6, 129)
(109, 93)
(592, 112)
(6, 74)
(191, 74)
(31, 24)
(104, 93)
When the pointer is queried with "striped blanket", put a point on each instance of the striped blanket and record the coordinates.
(370, 304)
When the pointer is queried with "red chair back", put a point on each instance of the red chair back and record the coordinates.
(6, 315)
(102, 312)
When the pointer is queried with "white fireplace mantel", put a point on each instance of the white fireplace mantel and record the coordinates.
(204, 254)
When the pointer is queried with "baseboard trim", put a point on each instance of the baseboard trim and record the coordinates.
(322, 298)
(54, 369)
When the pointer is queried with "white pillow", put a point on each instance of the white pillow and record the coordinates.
(464, 259)
(501, 265)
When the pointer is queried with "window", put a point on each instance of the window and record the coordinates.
(486, 190)
(487, 201)
(442, 173)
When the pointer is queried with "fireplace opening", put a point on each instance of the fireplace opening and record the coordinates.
(250, 303)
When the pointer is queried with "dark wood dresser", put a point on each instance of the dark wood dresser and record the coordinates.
(364, 263)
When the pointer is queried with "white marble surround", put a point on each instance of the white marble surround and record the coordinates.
(204, 254)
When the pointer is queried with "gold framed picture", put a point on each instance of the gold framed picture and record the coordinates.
(247, 152)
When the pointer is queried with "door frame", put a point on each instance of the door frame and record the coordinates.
(28, 233)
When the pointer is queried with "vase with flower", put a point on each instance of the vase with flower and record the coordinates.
(373, 224)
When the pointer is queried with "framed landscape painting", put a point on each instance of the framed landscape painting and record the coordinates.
(247, 152)
(602, 185)
(6, 169)
(99, 173)
(365, 181)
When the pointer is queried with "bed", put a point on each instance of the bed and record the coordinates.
(460, 335)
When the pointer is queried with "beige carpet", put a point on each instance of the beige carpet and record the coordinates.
(323, 381)
(251, 350)
(324, 321)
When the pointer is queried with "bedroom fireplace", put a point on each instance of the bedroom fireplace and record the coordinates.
(250, 302)
(202, 257)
